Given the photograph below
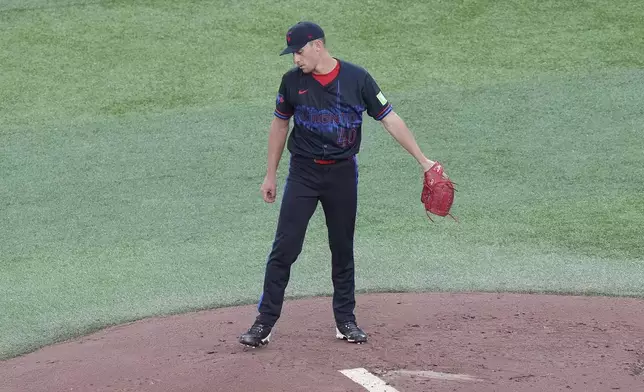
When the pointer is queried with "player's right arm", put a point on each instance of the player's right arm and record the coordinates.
(276, 142)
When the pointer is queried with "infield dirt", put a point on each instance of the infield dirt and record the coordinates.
(493, 342)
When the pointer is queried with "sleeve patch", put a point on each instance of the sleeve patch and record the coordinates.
(381, 98)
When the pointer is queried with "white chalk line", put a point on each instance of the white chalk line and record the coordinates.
(374, 384)
(367, 380)
(434, 375)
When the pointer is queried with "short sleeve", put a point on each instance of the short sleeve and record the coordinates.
(283, 109)
(377, 105)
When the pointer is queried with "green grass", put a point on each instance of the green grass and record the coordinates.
(133, 144)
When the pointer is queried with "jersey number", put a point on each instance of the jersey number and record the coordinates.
(346, 137)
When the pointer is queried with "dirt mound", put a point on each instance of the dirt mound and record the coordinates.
(418, 342)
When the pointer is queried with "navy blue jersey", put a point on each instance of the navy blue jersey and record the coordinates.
(328, 118)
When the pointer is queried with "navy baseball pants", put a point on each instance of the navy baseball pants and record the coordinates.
(334, 185)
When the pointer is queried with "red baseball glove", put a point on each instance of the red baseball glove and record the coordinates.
(438, 192)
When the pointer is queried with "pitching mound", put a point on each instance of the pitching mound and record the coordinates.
(418, 342)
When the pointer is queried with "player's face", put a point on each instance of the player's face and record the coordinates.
(307, 58)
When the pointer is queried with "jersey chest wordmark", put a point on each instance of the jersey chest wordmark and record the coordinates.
(327, 113)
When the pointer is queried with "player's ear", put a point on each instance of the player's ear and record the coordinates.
(318, 45)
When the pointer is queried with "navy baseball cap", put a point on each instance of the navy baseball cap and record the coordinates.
(300, 34)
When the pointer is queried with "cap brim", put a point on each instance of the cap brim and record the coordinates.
(291, 49)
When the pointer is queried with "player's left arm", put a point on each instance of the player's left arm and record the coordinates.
(398, 130)
(380, 109)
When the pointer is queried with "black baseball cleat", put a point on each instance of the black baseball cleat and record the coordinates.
(350, 332)
(257, 335)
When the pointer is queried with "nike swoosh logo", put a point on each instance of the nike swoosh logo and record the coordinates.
(302, 91)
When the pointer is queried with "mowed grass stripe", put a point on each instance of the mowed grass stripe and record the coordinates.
(112, 57)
